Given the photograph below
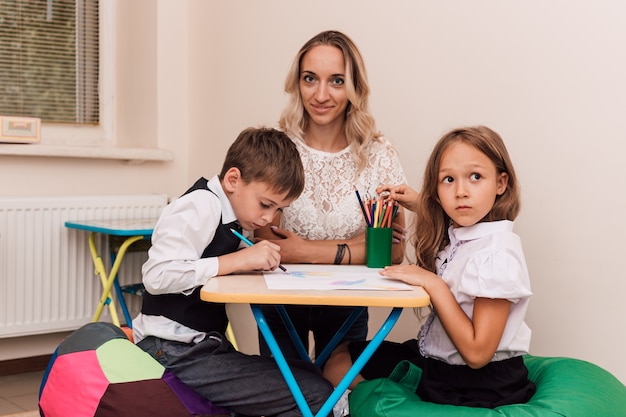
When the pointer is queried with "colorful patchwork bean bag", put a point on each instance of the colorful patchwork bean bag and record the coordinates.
(97, 372)
(566, 387)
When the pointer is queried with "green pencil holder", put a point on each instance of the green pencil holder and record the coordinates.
(378, 246)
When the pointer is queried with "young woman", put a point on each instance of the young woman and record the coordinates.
(328, 119)
(472, 265)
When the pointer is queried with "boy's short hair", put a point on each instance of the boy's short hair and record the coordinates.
(267, 155)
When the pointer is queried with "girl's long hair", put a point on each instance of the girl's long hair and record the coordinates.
(432, 222)
(359, 125)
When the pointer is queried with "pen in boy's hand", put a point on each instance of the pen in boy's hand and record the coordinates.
(249, 243)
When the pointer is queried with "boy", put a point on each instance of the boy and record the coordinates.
(192, 242)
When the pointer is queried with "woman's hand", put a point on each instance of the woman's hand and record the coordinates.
(405, 196)
(399, 231)
(291, 245)
(295, 250)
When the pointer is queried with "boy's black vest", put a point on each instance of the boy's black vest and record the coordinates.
(189, 310)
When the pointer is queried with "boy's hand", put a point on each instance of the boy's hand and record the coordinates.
(263, 255)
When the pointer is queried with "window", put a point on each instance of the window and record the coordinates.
(58, 62)
(49, 60)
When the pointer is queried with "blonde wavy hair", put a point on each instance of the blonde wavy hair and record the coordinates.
(360, 127)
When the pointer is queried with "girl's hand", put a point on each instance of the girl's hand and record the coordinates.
(477, 338)
(410, 274)
(403, 194)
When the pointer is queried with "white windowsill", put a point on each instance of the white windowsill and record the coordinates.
(131, 155)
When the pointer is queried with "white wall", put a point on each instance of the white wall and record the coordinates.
(547, 75)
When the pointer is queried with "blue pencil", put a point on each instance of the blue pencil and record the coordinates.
(249, 243)
(365, 213)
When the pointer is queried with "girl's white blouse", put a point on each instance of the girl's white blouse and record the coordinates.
(483, 260)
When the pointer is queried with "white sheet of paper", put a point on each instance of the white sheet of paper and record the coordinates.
(331, 277)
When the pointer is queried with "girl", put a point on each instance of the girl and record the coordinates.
(472, 265)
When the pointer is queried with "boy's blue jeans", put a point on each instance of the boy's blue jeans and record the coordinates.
(246, 384)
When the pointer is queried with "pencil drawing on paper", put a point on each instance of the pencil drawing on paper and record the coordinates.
(331, 277)
(344, 282)
(304, 274)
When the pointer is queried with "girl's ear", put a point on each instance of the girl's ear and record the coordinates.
(503, 181)
(231, 179)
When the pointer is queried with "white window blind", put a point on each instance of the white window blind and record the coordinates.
(49, 53)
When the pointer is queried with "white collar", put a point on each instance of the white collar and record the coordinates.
(479, 230)
(228, 214)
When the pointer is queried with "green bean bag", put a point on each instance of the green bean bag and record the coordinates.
(566, 387)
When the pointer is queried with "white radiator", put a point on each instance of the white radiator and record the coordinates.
(47, 278)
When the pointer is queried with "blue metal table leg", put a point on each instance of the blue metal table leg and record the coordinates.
(319, 361)
(292, 333)
(367, 353)
(281, 362)
(343, 385)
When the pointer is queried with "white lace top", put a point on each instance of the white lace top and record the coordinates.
(328, 207)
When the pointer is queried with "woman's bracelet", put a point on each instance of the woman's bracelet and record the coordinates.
(341, 251)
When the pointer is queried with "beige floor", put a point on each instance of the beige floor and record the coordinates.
(19, 392)
(34, 413)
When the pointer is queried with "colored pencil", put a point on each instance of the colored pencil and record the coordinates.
(379, 207)
(365, 213)
(377, 212)
(386, 222)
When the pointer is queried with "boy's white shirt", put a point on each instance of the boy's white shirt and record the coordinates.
(185, 228)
